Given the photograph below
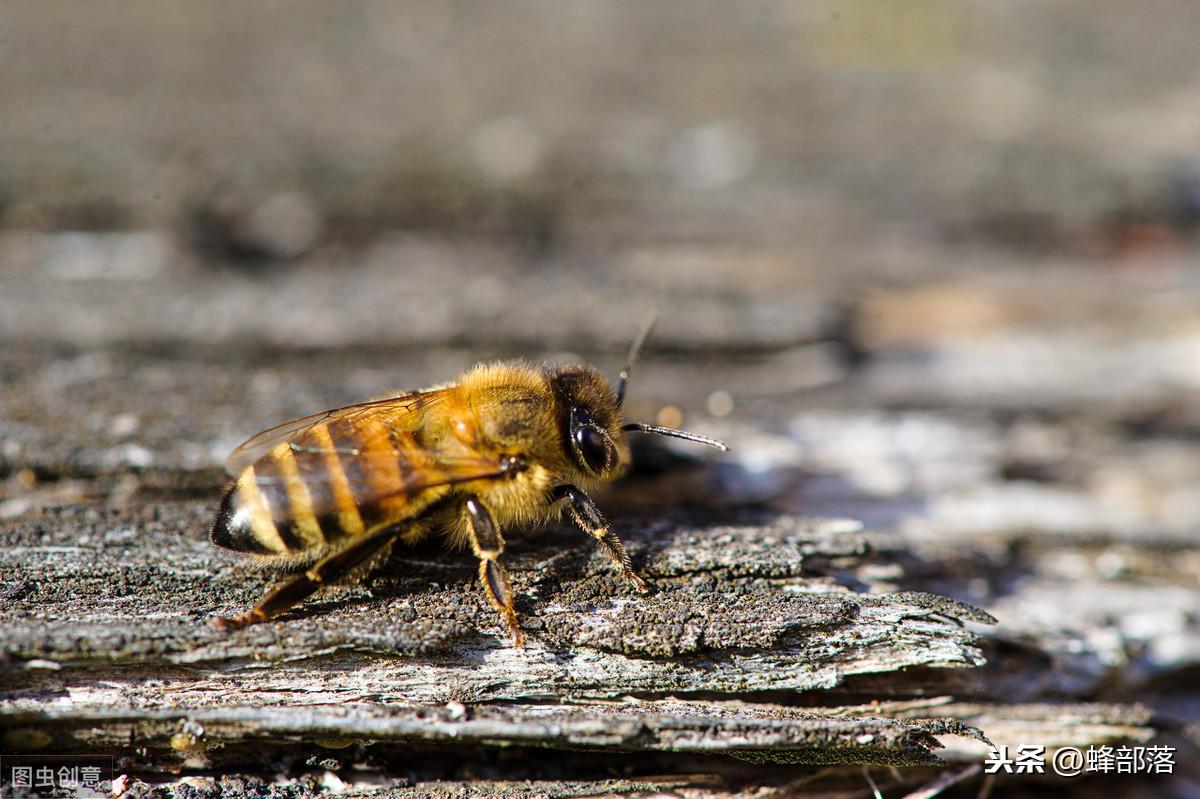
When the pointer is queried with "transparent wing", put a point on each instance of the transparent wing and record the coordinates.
(372, 455)
(402, 413)
(373, 474)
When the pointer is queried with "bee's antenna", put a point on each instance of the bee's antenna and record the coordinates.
(634, 348)
(638, 427)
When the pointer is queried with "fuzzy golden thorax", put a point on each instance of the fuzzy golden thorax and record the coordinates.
(562, 419)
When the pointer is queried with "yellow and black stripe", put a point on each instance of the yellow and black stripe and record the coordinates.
(335, 480)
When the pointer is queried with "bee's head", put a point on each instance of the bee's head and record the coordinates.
(593, 428)
(591, 421)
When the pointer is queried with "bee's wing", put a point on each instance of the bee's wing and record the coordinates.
(402, 413)
(376, 470)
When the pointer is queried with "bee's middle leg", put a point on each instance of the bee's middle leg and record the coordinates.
(488, 544)
(328, 570)
(588, 518)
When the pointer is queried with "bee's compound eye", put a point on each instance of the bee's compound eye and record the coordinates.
(593, 447)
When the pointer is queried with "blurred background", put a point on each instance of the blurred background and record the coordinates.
(932, 265)
(783, 156)
(274, 130)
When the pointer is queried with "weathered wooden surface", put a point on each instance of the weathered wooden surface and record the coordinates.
(833, 559)
(737, 608)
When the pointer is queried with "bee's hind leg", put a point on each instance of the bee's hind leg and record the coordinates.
(588, 518)
(488, 544)
(329, 569)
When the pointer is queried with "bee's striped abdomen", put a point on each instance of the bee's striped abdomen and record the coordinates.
(274, 508)
(246, 519)
(377, 462)
(335, 480)
(346, 517)
(234, 527)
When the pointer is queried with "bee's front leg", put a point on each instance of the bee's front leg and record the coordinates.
(588, 518)
(488, 544)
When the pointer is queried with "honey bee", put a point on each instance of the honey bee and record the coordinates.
(506, 446)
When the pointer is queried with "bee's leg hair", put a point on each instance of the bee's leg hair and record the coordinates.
(327, 570)
(588, 518)
(488, 544)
